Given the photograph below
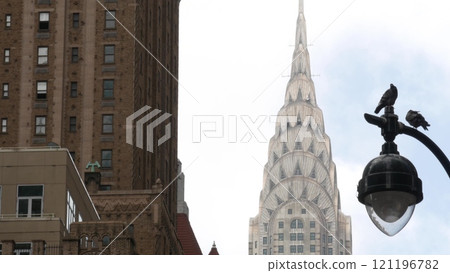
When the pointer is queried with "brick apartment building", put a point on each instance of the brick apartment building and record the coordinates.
(71, 72)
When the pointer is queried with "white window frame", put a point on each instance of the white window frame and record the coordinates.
(30, 201)
(42, 58)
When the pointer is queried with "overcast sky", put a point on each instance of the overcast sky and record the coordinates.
(235, 60)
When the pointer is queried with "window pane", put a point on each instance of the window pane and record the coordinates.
(25, 191)
(110, 22)
(73, 89)
(44, 16)
(107, 123)
(108, 88)
(8, 20)
(292, 236)
(22, 210)
(300, 236)
(42, 86)
(293, 249)
(75, 20)
(36, 207)
(106, 159)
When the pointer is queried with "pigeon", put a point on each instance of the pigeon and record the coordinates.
(388, 98)
(415, 119)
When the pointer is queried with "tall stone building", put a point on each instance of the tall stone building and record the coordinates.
(71, 72)
(300, 210)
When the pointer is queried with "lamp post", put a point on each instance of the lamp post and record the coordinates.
(390, 187)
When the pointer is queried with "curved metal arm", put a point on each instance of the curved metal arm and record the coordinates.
(428, 143)
(389, 132)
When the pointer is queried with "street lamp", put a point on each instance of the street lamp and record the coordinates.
(390, 187)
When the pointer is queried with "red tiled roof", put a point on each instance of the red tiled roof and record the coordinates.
(186, 236)
(214, 250)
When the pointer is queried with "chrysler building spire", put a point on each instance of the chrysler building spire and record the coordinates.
(299, 209)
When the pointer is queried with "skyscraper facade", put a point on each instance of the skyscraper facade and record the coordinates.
(299, 207)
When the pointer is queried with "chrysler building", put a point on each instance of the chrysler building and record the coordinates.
(299, 205)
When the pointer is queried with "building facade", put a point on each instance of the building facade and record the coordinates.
(71, 72)
(300, 210)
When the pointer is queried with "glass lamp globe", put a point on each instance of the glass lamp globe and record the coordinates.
(390, 189)
(390, 211)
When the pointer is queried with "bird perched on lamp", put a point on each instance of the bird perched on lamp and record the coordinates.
(415, 119)
(388, 98)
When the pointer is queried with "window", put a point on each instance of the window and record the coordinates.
(4, 127)
(73, 89)
(312, 236)
(330, 239)
(29, 201)
(300, 236)
(7, 55)
(84, 241)
(296, 224)
(105, 240)
(312, 224)
(110, 21)
(264, 251)
(300, 249)
(44, 21)
(42, 55)
(280, 237)
(312, 248)
(108, 89)
(70, 211)
(74, 54)
(292, 236)
(281, 224)
(72, 124)
(109, 54)
(303, 211)
(40, 125)
(5, 93)
(264, 240)
(8, 20)
(289, 211)
(22, 249)
(75, 20)
(281, 249)
(330, 251)
(107, 124)
(293, 249)
(41, 90)
(106, 159)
